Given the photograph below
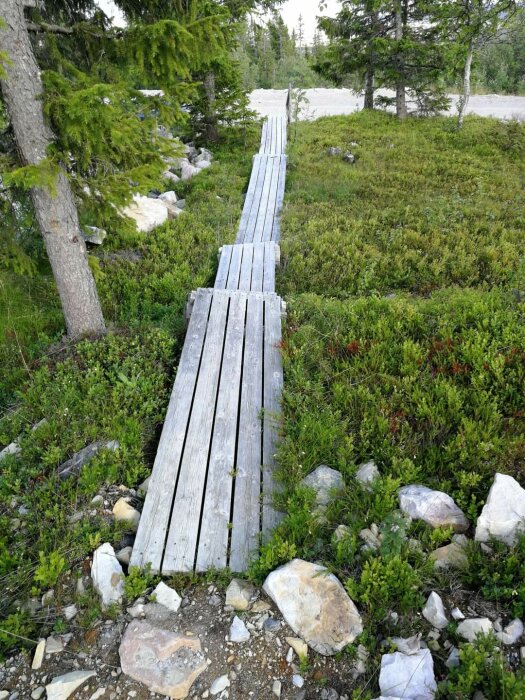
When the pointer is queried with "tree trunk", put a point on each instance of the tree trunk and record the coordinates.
(210, 118)
(463, 100)
(401, 104)
(369, 89)
(57, 215)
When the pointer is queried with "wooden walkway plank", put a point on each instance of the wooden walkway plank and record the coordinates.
(265, 203)
(184, 528)
(258, 268)
(267, 229)
(276, 230)
(273, 383)
(151, 535)
(213, 538)
(257, 171)
(246, 509)
(221, 279)
(270, 263)
(245, 277)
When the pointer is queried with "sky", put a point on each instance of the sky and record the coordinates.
(290, 11)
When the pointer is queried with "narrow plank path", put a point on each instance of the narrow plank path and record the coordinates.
(209, 502)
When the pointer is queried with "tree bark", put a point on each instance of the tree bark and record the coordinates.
(57, 215)
(401, 105)
(369, 89)
(463, 100)
(210, 118)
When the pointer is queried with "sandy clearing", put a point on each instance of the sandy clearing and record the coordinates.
(328, 101)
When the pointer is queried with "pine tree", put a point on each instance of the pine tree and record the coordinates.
(100, 140)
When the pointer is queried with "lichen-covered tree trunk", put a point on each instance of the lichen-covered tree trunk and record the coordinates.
(210, 117)
(463, 100)
(56, 214)
(401, 104)
(369, 89)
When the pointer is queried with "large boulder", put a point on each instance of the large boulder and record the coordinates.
(166, 662)
(147, 213)
(435, 508)
(107, 575)
(503, 515)
(469, 629)
(315, 605)
(408, 677)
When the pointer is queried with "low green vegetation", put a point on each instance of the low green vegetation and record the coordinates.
(115, 388)
(405, 344)
(423, 207)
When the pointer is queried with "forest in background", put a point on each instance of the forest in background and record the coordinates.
(272, 56)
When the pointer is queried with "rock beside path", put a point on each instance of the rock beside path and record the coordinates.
(435, 508)
(503, 515)
(166, 662)
(434, 611)
(107, 575)
(62, 687)
(470, 628)
(315, 605)
(146, 213)
(367, 473)
(326, 482)
(239, 594)
(408, 677)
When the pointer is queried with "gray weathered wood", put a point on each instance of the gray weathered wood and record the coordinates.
(246, 507)
(270, 263)
(151, 535)
(245, 277)
(276, 232)
(221, 279)
(214, 532)
(235, 267)
(182, 535)
(258, 268)
(273, 382)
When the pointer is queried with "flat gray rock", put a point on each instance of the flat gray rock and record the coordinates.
(239, 594)
(315, 605)
(166, 662)
(107, 575)
(435, 508)
(62, 687)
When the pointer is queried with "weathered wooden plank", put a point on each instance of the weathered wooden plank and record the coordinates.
(257, 268)
(250, 194)
(265, 203)
(151, 535)
(284, 135)
(235, 267)
(276, 232)
(250, 212)
(264, 136)
(246, 507)
(221, 278)
(268, 284)
(214, 533)
(273, 382)
(181, 542)
(278, 141)
(267, 229)
(245, 278)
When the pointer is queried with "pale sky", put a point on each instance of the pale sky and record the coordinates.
(290, 11)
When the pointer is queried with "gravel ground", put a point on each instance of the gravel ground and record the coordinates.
(329, 101)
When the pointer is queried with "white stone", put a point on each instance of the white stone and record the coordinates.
(451, 556)
(503, 515)
(453, 660)
(204, 156)
(70, 611)
(168, 597)
(125, 513)
(62, 687)
(238, 631)
(341, 532)
(326, 482)
(367, 473)
(408, 645)
(512, 633)
(39, 655)
(239, 594)
(435, 508)
(276, 688)
(469, 629)
(38, 692)
(12, 449)
(203, 164)
(297, 680)
(93, 234)
(146, 213)
(219, 684)
(98, 694)
(315, 605)
(170, 198)
(54, 645)
(168, 175)
(188, 171)
(299, 646)
(124, 555)
(410, 677)
(434, 611)
(107, 575)
(457, 614)
(145, 485)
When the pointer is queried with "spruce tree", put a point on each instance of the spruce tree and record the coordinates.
(96, 136)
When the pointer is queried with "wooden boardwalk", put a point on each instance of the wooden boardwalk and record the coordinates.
(209, 502)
